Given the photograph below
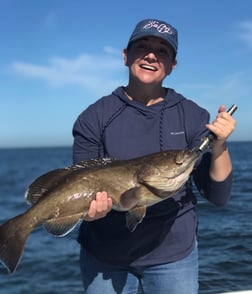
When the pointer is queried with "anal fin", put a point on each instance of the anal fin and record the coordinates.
(62, 226)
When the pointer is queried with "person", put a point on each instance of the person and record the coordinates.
(144, 117)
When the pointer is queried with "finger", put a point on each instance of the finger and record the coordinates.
(92, 209)
(221, 128)
(101, 202)
(222, 108)
(110, 203)
(107, 202)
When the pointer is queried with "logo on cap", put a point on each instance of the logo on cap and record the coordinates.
(161, 28)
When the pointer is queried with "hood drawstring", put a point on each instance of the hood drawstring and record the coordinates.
(101, 146)
(161, 132)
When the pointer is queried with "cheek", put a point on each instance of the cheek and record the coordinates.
(129, 60)
(132, 58)
(168, 68)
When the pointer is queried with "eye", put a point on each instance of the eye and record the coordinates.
(142, 46)
(163, 51)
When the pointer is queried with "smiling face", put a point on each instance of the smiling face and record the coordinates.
(150, 60)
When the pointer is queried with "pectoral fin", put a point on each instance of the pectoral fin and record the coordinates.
(134, 217)
(130, 198)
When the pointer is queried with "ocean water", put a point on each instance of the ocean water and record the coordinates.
(51, 265)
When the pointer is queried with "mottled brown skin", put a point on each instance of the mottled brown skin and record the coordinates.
(61, 198)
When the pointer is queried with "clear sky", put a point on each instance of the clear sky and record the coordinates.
(58, 56)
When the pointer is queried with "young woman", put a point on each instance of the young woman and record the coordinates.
(160, 256)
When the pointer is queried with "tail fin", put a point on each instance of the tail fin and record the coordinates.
(12, 240)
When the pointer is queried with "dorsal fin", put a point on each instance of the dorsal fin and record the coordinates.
(52, 178)
(44, 183)
(93, 163)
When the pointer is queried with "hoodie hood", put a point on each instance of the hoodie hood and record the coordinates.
(154, 114)
(171, 99)
(114, 120)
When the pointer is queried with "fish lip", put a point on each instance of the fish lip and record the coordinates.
(148, 67)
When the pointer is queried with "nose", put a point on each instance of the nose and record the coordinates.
(150, 55)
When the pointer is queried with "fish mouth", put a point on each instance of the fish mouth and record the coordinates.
(163, 182)
(162, 185)
(165, 178)
(148, 67)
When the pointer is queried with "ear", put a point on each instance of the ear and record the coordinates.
(171, 67)
(174, 63)
(125, 58)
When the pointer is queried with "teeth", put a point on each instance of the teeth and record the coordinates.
(148, 67)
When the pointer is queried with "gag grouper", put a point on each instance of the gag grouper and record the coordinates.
(61, 198)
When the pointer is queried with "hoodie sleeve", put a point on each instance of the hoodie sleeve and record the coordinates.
(217, 193)
(87, 134)
(88, 129)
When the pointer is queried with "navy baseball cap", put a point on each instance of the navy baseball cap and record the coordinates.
(156, 28)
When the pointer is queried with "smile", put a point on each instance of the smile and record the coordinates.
(148, 67)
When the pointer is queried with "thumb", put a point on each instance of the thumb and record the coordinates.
(222, 108)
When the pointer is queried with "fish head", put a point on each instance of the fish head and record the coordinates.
(166, 172)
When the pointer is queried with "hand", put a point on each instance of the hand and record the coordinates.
(99, 207)
(222, 126)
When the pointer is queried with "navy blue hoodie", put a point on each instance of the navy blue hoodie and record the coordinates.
(117, 127)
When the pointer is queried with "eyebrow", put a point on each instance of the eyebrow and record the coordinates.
(162, 42)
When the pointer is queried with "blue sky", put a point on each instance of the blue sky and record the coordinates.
(58, 56)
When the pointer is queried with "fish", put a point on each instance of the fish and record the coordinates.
(60, 198)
